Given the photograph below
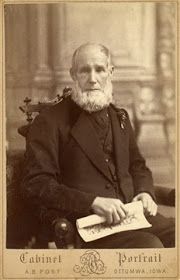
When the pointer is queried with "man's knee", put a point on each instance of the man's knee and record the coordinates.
(126, 240)
(146, 240)
(164, 228)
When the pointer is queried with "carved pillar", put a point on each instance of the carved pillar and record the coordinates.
(152, 140)
(10, 56)
(149, 110)
(156, 98)
(58, 14)
(166, 53)
(149, 42)
(147, 102)
(58, 30)
(43, 77)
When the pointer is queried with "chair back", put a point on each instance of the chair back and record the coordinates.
(32, 109)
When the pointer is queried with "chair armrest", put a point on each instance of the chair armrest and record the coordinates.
(64, 233)
(165, 196)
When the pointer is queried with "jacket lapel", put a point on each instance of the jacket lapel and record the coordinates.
(120, 147)
(84, 133)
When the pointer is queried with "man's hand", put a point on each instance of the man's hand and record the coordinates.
(112, 209)
(149, 205)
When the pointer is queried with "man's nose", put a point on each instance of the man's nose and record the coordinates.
(92, 77)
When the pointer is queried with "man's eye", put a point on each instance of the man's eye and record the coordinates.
(100, 69)
(84, 70)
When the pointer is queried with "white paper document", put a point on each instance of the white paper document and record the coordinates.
(94, 227)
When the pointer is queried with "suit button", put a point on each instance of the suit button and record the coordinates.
(108, 186)
(114, 177)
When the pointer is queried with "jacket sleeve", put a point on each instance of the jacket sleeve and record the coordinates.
(141, 175)
(41, 183)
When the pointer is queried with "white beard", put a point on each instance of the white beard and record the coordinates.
(93, 100)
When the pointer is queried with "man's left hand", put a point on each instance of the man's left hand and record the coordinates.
(150, 207)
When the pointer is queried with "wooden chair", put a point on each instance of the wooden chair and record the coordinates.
(25, 230)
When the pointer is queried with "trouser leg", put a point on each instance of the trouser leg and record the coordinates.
(161, 234)
(163, 228)
(124, 240)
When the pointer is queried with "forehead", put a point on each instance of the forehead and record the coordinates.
(91, 56)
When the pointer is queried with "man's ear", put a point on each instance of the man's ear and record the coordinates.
(73, 76)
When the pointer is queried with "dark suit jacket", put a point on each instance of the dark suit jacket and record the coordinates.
(65, 168)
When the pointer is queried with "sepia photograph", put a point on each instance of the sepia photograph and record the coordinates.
(90, 145)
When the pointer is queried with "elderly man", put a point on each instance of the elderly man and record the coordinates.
(82, 158)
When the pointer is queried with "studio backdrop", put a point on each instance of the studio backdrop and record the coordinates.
(41, 38)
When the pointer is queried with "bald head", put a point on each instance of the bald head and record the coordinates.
(90, 49)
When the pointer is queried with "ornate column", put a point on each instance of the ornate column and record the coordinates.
(166, 17)
(152, 140)
(156, 99)
(147, 101)
(10, 56)
(43, 77)
(149, 42)
(149, 111)
(58, 20)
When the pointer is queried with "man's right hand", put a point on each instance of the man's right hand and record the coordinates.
(111, 208)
